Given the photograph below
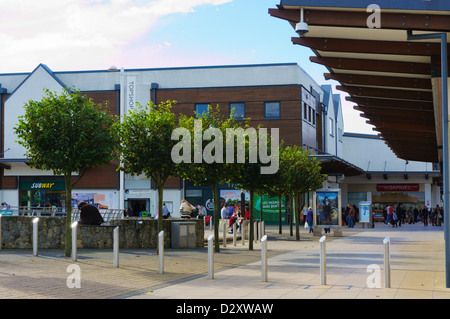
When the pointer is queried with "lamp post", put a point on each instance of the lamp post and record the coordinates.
(122, 115)
(445, 139)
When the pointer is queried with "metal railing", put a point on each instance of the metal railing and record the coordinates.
(107, 214)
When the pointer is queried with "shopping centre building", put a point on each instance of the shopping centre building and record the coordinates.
(273, 95)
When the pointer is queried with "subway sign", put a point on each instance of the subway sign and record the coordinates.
(46, 185)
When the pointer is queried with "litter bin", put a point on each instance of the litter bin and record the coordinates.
(183, 234)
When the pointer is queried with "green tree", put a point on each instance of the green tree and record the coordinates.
(146, 145)
(67, 133)
(252, 176)
(208, 165)
(302, 174)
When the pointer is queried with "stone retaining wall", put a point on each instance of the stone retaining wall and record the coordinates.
(134, 232)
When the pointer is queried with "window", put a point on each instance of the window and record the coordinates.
(200, 109)
(305, 111)
(309, 107)
(272, 110)
(331, 127)
(238, 110)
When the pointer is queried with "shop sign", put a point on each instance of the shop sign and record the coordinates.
(57, 185)
(398, 187)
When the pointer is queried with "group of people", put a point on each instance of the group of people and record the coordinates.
(233, 213)
(395, 217)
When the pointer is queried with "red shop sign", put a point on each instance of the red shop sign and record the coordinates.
(398, 187)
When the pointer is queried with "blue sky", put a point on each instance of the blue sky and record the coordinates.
(95, 34)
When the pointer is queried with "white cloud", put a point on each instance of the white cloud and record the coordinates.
(67, 34)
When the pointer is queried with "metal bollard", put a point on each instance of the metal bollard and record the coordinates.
(0, 232)
(74, 241)
(234, 234)
(264, 258)
(35, 236)
(116, 247)
(387, 262)
(210, 257)
(255, 226)
(323, 261)
(161, 251)
(224, 234)
(243, 231)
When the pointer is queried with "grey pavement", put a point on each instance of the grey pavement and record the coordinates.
(354, 269)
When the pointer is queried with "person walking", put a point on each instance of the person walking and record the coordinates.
(350, 216)
(309, 219)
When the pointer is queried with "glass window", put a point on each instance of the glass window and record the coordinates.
(238, 110)
(331, 127)
(200, 109)
(272, 110)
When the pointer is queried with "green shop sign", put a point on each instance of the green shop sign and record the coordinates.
(54, 186)
(270, 208)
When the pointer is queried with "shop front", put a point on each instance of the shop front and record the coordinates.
(42, 193)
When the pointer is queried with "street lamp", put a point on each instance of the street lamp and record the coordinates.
(122, 114)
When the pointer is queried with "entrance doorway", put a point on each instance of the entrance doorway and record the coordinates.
(138, 207)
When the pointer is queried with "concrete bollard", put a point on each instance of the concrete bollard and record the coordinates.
(323, 261)
(210, 257)
(74, 241)
(255, 227)
(161, 251)
(210, 223)
(116, 247)
(35, 236)
(264, 258)
(387, 262)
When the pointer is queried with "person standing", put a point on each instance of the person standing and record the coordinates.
(425, 215)
(350, 216)
(309, 219)
(224, 212)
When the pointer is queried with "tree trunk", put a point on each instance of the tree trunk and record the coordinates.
(251, 233)
(68, 237)
(291, 217)
(216, 218)
(160, 205)
(280, 231)
(297, 217)
(261, 208)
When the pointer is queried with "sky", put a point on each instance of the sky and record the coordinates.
(72, 35)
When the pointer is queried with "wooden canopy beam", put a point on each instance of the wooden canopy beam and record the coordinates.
(381, 81)
(358, 19)
(373, 65)
(378, 111)
(407, 95)
(370, 46)
(394, 104)
(423, 127)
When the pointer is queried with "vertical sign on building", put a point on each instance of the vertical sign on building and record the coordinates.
(130, 96)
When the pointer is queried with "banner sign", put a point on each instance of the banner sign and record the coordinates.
(130, 95)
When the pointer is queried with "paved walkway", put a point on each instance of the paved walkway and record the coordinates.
(417, 256)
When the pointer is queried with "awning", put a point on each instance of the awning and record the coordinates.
(335, 166)
(393, 82)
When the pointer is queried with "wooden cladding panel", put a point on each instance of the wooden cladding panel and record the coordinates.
(99, 177)
(108, 100)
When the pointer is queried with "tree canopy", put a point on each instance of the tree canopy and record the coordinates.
(67, 133)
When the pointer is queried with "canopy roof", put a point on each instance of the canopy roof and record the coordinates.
(394, 82)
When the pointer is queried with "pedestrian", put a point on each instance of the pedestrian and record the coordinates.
(166, 213)
(89, 215)
(309, 219)
(186, 209)
(424, 216)
(224, 212)
(350, 216)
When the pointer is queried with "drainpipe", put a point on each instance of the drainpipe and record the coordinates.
(445, 175)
